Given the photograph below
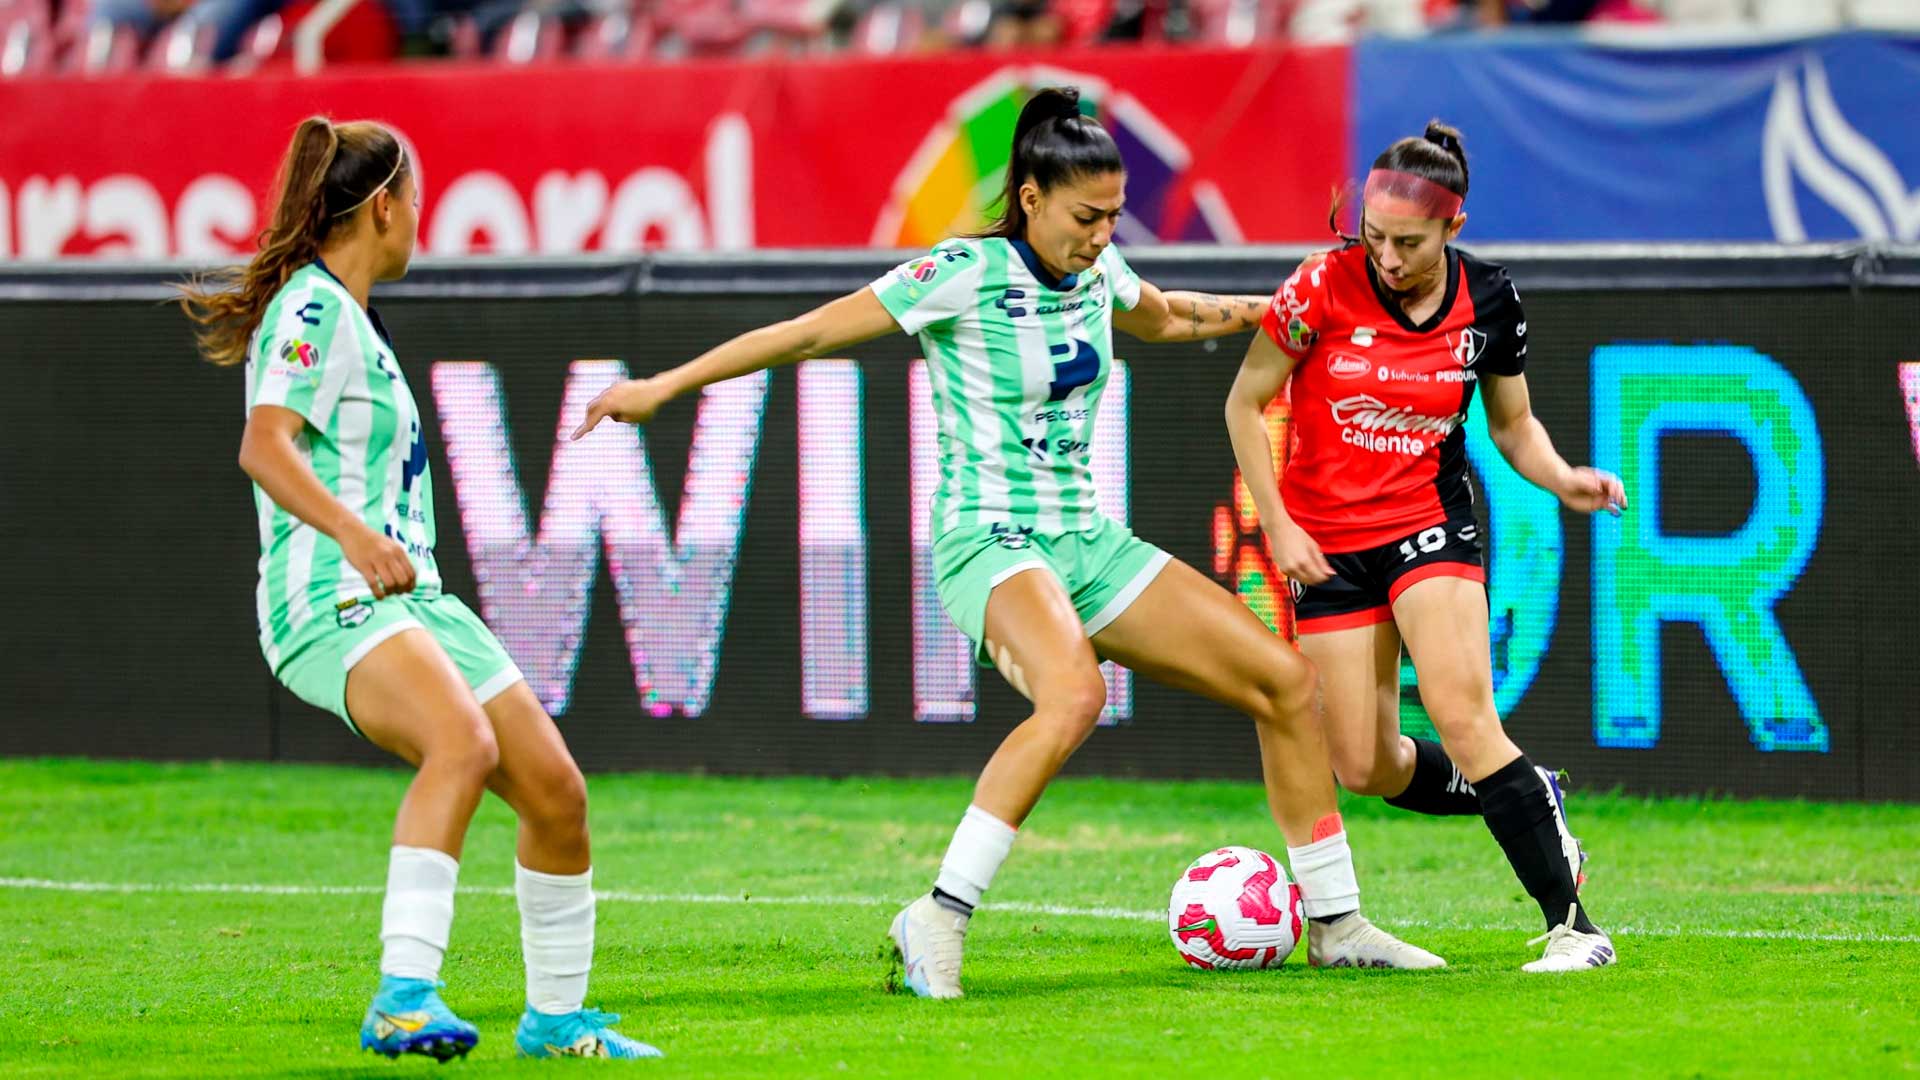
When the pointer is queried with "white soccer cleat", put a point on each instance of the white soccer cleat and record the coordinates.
(1355, 942)
(1570, 848)
(1570, 950)
(927, 942)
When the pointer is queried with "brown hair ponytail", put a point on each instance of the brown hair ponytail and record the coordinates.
(328, 171)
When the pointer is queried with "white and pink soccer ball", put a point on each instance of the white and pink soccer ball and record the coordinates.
(1235, 908)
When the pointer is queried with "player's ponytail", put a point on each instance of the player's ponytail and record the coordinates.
(1448, 139)
(328, 172)
(1435, 155)
(1053, 142)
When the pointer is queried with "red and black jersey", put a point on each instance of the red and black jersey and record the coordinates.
(1378, 402)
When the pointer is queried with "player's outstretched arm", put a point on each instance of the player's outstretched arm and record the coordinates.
(269, 455)
(1188, 316)
(833, 326)
(1524, 442)
(1262, 374)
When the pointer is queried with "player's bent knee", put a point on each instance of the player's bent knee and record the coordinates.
(1282, 690)
(470, 751)
(1071, 711)
(1361, 774)
(560, 801)
(1464, 728)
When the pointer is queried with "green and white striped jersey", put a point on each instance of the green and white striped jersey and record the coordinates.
(1017, 362)
(318, 353)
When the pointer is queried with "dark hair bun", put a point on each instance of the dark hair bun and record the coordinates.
(1446, 138)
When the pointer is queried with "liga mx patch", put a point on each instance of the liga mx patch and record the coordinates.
(300, 356)
(924, 270)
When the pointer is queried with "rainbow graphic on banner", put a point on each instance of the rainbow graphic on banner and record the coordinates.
(956, 175)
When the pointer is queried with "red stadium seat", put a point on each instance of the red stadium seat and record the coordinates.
(966, 21)
(623, 35)
(365, 34)
(104, 50)
(700, 28)
(531, 37)
(1239, 22)
(888, 28)
(267, 44)
(799, 20)
(1083, 21)
(182, 48)
(26, 38)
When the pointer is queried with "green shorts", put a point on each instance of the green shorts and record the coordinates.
(316, 658)
(1104, 570)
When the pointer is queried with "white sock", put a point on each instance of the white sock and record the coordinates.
(418, 912)
(556, 935)
(1324, 870)
(979, 846)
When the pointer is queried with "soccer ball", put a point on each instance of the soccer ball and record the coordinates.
(1234, 908)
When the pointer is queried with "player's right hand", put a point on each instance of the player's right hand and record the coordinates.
(1297, 555)
(631, 402)
(381, 560)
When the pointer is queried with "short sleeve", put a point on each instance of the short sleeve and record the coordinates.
(1506, 330)
(932, 289)
(302, 355)
(1298, 311)
(1125, 283)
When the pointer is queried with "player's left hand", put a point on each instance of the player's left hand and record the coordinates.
(1592, 490)
(631, 402)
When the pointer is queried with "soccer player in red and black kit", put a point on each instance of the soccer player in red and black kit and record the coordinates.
(1385, 341)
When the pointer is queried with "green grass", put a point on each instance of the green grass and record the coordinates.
(191, 984)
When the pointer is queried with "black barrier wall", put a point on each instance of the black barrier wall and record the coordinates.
(1747, 627)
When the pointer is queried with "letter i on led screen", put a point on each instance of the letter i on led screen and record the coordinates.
(833, 542)
(943, 669)
(942, 656)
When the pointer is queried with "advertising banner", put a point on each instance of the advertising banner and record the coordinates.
(745, 585)
(1226, 145)
(1609, 139)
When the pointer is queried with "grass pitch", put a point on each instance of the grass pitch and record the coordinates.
(221, 920)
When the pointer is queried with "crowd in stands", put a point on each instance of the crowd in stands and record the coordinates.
(182, 36)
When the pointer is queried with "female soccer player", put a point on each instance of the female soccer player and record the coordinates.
(352, 616)
(1385, 340)
(1018, 331)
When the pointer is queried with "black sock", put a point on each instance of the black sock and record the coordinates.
(1329, 920)
(1437, 788)
(951, 902)
(1519, 813)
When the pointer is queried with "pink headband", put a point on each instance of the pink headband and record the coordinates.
(1406, 195)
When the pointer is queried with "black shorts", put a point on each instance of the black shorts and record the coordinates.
(1366, 583)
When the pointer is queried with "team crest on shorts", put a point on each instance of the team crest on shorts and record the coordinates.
(1015, 538)
(352, 613)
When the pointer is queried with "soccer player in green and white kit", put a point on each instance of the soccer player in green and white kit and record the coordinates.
(1018, 331)
(352, 616)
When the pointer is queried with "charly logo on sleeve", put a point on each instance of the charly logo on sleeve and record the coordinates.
(1808, 141)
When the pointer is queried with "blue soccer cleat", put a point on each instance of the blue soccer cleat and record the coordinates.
(408, 1017)
(586, 1033)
